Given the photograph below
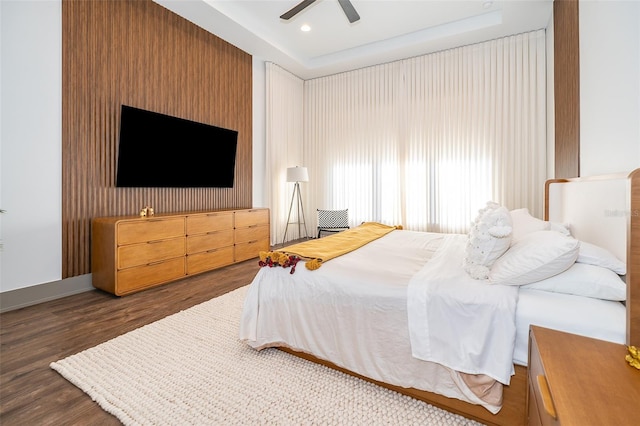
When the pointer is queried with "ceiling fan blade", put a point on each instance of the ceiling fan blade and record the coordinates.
(349, 10)
(296, 9)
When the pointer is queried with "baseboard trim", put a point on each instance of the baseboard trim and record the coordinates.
(27, 296)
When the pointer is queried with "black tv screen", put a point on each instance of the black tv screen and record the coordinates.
(161, 151)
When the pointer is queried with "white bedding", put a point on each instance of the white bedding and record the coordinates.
(600, 319)
(353, 312)
(462, 323)
(373, 279)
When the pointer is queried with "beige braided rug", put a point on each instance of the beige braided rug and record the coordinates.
(191, 369)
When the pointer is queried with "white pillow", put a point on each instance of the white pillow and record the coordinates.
(489, 238)
(536, 256)
(563, 228)
(524, 223)
(585, 280)
(595, 255)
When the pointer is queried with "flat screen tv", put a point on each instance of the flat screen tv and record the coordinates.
(160, 151)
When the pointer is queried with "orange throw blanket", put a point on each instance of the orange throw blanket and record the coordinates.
(320, 250)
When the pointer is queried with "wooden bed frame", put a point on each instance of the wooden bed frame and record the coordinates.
(513, 411)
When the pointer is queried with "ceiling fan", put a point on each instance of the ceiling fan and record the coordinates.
(346, 5)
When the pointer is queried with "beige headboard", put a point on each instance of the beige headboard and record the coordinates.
(604, 210)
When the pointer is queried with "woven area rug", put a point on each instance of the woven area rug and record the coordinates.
(191, 369)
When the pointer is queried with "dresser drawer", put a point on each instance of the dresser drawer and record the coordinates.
(540, 398)
(133, 279)
(209, 222)
(250, 250)
(143, 230)
(251, 217)
(252, 233)
(533, 412)
(212, 259)
(152, 251)
(210, 241)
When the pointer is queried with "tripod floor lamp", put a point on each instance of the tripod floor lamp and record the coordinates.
(297, 175)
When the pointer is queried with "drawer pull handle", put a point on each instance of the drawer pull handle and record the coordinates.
(154, 242)
(547, 401)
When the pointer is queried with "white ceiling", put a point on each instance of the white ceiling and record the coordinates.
(388, 30)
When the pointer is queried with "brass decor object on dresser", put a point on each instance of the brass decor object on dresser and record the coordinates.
(576, 380)
(133, 253)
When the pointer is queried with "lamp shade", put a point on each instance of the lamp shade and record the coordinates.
(297, 174)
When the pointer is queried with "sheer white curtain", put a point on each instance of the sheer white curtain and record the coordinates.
(284, 123)
(425, 142)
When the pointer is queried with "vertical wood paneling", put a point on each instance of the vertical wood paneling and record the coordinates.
(567, 88)
(137, 53)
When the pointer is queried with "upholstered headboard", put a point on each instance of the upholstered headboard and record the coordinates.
(604, 210)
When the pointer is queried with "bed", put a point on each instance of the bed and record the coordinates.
(358, 312)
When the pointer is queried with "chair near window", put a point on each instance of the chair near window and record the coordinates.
(332, 221)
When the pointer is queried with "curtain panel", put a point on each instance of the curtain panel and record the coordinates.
(426, 142)
(284, 147)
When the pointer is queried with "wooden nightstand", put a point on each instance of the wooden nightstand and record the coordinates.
(575, 380)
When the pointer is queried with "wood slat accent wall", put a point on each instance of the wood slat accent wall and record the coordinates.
(567, 88)
(136, 52)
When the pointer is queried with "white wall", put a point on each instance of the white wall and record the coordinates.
(30, 142)
(609, 86)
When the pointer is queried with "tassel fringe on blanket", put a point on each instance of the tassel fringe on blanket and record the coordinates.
(315, 252)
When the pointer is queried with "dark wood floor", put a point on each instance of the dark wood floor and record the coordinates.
(31, 393)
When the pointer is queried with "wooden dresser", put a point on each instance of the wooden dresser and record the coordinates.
(133, 253)
(575, 380)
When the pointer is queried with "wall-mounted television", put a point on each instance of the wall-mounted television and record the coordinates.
(160, 151)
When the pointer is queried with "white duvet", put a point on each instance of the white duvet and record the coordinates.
(462, 323)
(352, 312)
